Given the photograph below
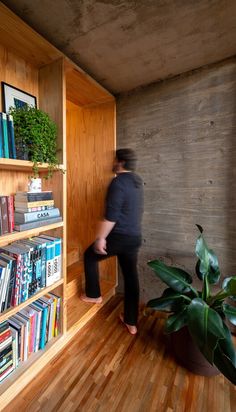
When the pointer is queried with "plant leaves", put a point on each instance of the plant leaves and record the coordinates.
(168, 302)
(176, 321)
(205, 326)
(227, 345)
(224, 364)
(199, 228)
(229, 286)
(208, 265)
(230, 312)
(176, 278)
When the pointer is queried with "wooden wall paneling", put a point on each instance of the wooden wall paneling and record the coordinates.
(52, 92)
(52, 98)
(17, 72)
(81, 89)
(24, 41)
(90, 152)
(12, 182)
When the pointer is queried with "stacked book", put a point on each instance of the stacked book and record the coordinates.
(7, 136)
(28, 331)
(27, 266)
(6, 214)
(34, 210)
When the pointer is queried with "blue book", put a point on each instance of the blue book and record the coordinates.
(1, 137)
(43, 331)
(11, 137)
(3, 117)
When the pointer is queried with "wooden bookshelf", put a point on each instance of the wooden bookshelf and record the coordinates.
(21, 165)
(12, 237)
(85, 116)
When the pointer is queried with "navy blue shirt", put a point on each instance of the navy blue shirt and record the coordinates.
(124, 203)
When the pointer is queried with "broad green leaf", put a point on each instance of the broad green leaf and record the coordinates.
(176, 321)
(224, 364)
(227, 345)
(208, 265)
(230, 312)
(229, 286)
(175, 278)
(168, 302)
(205, 327)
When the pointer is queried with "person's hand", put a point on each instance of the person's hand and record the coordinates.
(100, 246)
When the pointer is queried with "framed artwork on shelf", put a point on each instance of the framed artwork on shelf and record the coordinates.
(14, 97)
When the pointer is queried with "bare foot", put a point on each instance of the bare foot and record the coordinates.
(131, 328)
(87, 299)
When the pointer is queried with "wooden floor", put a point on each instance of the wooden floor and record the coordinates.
(105, 369)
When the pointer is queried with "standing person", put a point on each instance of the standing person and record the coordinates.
(119, 235)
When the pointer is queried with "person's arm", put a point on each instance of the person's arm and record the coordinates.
(100, 243)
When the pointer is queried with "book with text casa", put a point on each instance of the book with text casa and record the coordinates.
(25, 217)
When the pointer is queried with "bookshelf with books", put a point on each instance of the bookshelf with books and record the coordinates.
(85, 116)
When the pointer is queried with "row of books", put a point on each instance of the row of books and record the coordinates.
(27, 266)
(7, 136)
(6, 214)
(28, 331)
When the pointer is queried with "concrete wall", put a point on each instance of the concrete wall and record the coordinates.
(184, 132)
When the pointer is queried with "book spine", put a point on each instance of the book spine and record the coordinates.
(32, 225)
(11, 137)
(34, 204)
(21, 209)
(34, 197)
(10, 207)
(35, 216)
(5, 135)
(4, 214)
(1, 138)
(11, 284)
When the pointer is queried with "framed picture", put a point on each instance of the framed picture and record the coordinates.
(13, 97)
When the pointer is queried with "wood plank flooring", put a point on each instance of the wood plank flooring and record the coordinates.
(105, 369)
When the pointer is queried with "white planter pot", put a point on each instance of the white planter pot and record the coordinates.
(35, 184)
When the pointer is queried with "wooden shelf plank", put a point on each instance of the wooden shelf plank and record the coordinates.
(11, 237)
(21, 165)
(12, 311)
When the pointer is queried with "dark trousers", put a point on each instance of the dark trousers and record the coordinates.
(126, 249)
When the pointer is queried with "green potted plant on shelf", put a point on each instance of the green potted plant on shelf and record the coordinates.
(198, 317)
(35, 138)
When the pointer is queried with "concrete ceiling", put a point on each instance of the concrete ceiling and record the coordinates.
(127, 44)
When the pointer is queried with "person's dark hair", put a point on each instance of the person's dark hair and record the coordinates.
(127, 156)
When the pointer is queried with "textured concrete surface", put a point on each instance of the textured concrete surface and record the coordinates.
(126, 44)
(184, 133)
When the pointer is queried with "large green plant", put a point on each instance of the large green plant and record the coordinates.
(203, 312)
(35, 137)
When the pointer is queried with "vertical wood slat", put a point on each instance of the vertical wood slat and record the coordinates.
(90, 152)
(52, 99)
